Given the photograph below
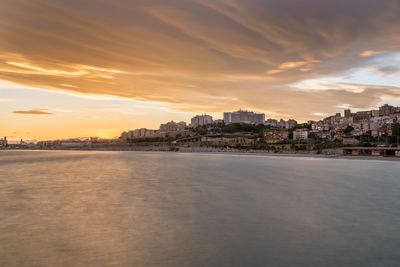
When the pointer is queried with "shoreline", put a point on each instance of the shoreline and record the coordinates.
(237, 153)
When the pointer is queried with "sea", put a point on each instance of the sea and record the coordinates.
(94, 208)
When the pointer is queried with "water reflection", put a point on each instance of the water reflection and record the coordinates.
(165, 209)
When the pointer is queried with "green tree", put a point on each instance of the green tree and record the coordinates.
(348, 129)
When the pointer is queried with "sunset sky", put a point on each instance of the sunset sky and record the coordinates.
(73, 68)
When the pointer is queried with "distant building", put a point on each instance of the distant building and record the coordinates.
(276, 136)
(271, 122)
(375, 113)
(140, 133)
(22, 143)
(362, 116)
(350, 141)
(173, 126)
(123, 137)
(386, 110)
(300, 134)
(243, 116)
(3, 142)
(282, 123)
(290, 124)
(72, 144)
(338, 117)
(347, 113)
(201, 120)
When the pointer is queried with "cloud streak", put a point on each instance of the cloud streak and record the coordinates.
(33, 112)
(370, 53)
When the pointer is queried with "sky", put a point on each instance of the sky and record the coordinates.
(71, 68)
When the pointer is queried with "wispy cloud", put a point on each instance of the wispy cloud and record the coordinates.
(38, 111)
(68, 85)
(319, 114)
(66, 110)
(300, 65)
(370, 53)
(97, 118)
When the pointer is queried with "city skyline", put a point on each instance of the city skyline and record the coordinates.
(73, 69)
(373, 122)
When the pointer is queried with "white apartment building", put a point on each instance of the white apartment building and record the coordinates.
(173, 126)
(201, 120)
(243, 116)
(300, 135)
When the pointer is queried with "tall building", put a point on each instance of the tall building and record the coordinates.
(347, 113)
(243, 116)
(201, 120)
(386, 110)
(337, 117)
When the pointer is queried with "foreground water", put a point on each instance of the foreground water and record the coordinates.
(66, 208)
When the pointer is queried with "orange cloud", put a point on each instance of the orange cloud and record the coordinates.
(292, 65)
(198, 56)
(273, 71)
(306, 66)
(33, 112)
(369, 53)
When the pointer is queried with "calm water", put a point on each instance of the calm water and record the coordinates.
(166, 209)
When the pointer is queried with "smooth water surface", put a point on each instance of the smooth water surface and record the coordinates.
(80, 208)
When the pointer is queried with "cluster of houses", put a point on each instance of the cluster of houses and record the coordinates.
(344, 127)
(373, 123)
(347, 128)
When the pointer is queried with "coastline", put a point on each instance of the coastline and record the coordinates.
(237, 153)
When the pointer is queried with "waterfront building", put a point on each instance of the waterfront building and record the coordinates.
(140, 133)
(3, 142)
(172, 126)
(201, 120)
(243, 116)
(72, 144)
(300, 134)
(275, 136)
(350, 141)
(124, 136)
